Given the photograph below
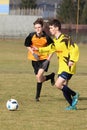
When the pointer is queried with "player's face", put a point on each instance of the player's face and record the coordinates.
(38, 28)
(53, 30)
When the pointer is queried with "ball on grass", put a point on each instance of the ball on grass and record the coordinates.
(12, 105)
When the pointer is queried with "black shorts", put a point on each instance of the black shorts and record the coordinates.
(65, 75)
(39, 65)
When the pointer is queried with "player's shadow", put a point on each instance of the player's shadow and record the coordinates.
(82, 99)
(52, 98)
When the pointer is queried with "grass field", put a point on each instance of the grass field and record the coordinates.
(18, 81)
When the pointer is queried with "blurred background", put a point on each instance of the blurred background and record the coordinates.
(17, 17)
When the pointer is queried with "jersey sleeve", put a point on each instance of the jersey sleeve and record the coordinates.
(28, 39)
(49, 40)
(48, 49)
(74, 53)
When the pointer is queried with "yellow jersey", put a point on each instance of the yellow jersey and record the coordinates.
(66, 51)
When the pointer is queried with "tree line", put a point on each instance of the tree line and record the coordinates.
(66, 11)
(69, 9)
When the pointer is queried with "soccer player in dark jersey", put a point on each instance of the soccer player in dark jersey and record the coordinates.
(68, 54)
(39, 61)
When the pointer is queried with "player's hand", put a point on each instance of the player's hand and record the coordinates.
(45, 64)
(70, 63)
(34, 48)
(36, 56)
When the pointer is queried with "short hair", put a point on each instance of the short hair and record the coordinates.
(55, 23)
(39, 21)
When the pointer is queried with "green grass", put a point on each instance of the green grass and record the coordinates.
(18, 81)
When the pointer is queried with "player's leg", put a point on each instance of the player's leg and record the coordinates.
(72, 96)
(41, 77)
(45, 66)
(35, 65)
(39, 69)
(75, 95)
(60, 85)
(38, 90)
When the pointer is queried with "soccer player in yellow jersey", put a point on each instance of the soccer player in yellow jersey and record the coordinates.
(40, 62)
(68, 54)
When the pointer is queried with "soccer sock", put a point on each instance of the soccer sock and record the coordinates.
(38, 89)
(71, 91)
(67, 95)
(50, 76)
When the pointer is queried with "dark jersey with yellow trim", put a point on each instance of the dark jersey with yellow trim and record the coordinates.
(33, 40)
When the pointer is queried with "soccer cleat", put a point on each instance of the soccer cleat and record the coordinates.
(37, 100)
(75, 99)
(71, 108)
(52, 79)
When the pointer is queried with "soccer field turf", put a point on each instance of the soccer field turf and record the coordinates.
(17, 81)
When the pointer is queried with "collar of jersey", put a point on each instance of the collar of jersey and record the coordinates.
(42, 35)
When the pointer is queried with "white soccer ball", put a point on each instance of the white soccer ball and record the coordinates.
(12, 104)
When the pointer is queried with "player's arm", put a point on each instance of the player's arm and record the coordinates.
(28, 44)
(50, 56)
(48, 49)
(74, 53)
(30, 49)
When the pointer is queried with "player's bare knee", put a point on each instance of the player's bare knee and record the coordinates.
(58, 86)
(39, 78)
